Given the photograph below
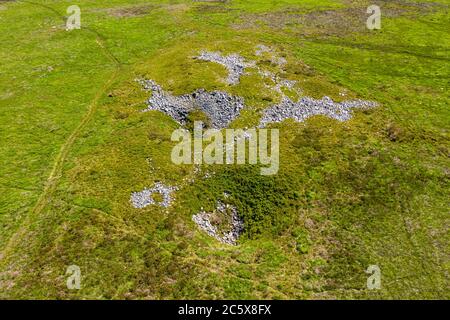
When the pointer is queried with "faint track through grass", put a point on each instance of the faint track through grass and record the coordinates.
(57, 168)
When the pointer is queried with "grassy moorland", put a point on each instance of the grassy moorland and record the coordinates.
(74, 145)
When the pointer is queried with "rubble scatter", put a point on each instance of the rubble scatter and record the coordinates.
(236, 224)
(175, 107)
(284, 83)
(220, 107)
(262, 49)
(234, 63)
(279, 82)
(144, 198)
(307, 107)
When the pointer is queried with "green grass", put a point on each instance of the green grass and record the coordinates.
(73, 146)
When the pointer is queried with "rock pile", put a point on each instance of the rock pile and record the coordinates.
(235, 227)
(175, 107)
(220, 107)
(143, 199)
(307, 107)
(234, 63)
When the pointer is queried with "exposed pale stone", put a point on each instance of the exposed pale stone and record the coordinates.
(307, 107)
(220, 107)
(234, 63)
(236, 225)
(144, 198)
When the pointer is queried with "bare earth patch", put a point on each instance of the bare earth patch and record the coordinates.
(211, 7)
(332, 22)
(128, 12)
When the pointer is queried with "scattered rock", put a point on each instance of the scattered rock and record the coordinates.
(234, 63)
(220, 107)
(278, 81)
(143, 199)
(274, 58)
(307, 107)
(261, 49)
(233, 228)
